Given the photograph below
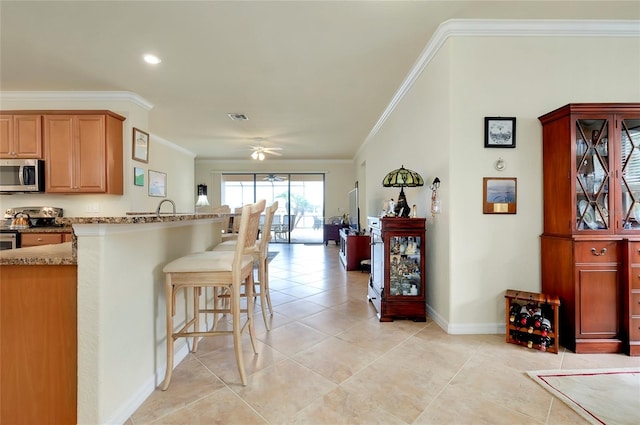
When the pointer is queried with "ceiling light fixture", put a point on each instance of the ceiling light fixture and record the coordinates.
(152, 59)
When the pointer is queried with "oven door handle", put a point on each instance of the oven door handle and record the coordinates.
(21, 174)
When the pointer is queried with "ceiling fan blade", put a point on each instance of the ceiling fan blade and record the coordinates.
(272, 153)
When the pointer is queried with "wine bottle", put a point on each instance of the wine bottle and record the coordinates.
(514, 309)
(545, 327)
(536, 318)
(523, 316)
(545, 342)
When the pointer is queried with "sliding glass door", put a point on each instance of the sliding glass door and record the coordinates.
(300, 214)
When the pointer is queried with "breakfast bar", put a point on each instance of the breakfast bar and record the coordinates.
(111, 320)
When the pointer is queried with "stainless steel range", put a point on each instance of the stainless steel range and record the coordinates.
(20, 218)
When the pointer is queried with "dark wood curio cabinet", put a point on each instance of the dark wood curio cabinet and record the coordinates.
(397, 282)
(590, 254)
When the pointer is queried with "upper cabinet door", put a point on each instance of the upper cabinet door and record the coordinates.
(628, 130)
(593, 176)
(21, 136)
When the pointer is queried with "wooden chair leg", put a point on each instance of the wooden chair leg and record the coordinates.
(265, 286)
(249, 293)
(196, 315)
(263, 300)
(170, 340)
(237, 329)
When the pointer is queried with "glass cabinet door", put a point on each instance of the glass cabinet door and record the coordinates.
(592, 174)
(630, 170)
(404, 266)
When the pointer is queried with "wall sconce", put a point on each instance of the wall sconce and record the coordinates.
(402, 178)
(202, 201)
(435, 199)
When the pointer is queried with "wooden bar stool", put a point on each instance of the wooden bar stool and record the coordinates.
(222, 271)
(260, 255)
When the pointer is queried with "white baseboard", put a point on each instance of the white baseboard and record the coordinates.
(130, 406)
(465, 328)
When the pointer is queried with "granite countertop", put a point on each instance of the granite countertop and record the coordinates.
(48, 229)
(43, 255)
(135, 218)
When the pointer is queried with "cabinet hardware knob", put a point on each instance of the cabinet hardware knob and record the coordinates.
(602, 251)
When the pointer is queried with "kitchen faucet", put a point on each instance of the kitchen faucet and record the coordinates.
(173, 204)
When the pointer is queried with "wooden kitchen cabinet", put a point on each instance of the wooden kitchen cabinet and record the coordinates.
(45, 238)
(39, 348)
(83, 152)
(21, 136)
(591, 217)
(397, 280)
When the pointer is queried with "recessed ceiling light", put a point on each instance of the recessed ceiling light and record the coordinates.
(152, 59)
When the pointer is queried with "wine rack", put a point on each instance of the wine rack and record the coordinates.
(528, 335)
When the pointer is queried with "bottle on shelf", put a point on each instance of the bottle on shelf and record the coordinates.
(545, 327)
(523, 316)
(514, 309)
(545, 342)
(536, 318)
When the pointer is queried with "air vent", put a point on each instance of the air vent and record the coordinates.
(238, 117)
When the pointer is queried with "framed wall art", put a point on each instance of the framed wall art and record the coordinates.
(157, 183)
(499, 195)
(499, 132)
(140, 145)
(138, 176)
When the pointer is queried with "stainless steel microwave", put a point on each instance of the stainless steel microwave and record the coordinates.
(21, 175)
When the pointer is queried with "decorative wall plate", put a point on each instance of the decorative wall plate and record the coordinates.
(590, 218)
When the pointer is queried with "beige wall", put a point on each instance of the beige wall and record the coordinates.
(437, 129)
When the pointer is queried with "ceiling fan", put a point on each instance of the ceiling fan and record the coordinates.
(260, 151)
(273, 178)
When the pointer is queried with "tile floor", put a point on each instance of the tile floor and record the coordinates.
(328, 360)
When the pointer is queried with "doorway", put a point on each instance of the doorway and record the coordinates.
(300, 196)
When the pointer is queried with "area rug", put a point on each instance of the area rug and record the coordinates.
(601, 396)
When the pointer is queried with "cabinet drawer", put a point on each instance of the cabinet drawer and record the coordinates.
(596, 252)
(634, 252)
(634, 331)
(634, 303)
(635, 277)
(34, 239)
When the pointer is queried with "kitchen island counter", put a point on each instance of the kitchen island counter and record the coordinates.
(140, 218)
(43, 255)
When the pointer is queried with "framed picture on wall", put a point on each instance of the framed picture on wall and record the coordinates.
(140, 145)
(499, 132)
(499, 195)
(138, 176)
(157, 183)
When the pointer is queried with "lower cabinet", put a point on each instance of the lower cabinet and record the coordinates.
(631, 309)
(45, 238)
(353, 249)
(38, 334)
(591, 279)
(397, 282)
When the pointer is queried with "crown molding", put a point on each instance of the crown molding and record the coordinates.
(78, 95)
(172, 145)
(502, 28)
